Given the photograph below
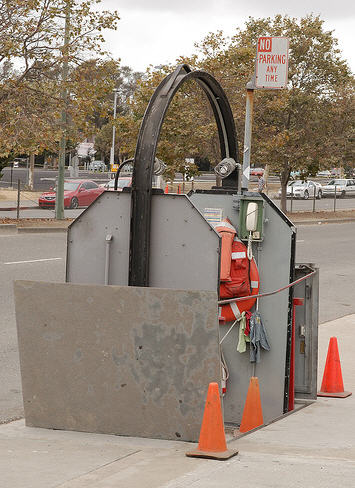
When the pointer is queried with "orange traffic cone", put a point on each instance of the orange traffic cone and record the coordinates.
(179, 190)
(212, 442)
(252, 413)
(332, 384)
(166, 189)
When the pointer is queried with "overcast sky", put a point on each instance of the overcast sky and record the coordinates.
(153, 32)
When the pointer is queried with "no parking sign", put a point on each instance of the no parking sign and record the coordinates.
(271, 62)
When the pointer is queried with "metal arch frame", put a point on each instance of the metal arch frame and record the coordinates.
(119, 169)
(145, 154)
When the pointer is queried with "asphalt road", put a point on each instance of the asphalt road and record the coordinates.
(326, 204)
(19, 260)
(43, 178)
(331, 247)
(42, 257)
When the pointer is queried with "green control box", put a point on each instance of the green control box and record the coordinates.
(246, 214)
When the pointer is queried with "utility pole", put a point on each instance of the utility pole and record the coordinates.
(112, 152)
(31, 172)
(59, 200)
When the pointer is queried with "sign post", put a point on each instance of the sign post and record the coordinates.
(271, 68)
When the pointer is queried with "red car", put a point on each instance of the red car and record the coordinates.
(77, 193)
(256, 171)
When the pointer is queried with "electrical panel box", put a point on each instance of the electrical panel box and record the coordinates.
(245, 218)
(306, 333)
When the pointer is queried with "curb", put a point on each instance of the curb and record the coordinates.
(323, 221)
(8, 227)
(36, 230)
(5, 209)
(14, 229)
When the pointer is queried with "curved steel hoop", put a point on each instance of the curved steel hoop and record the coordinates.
(145, 154)
(118, 172)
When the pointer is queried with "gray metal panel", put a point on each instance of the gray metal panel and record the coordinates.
(273, 256)
(306, 346)
(184, 252)
(184, 247)
(108, 214)
(274, 262)
(120, 360)
(208, 200)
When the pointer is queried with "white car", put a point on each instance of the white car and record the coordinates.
(324, 174)
(121, 183)
(303, 189)
(97, 166)
(126, 181)
(341, 186)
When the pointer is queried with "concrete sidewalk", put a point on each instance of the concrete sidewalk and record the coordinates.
(314, 447)
(30, 210)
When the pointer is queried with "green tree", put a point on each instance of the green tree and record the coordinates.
(188, 126)
(293, 128)
(31, 39)
(341, 145)
(125, 81)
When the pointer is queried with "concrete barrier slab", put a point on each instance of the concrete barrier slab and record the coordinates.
(117, 360)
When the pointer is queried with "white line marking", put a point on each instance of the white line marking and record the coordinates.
(33, 261)
(300, 241)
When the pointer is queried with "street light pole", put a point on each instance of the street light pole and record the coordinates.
(59, 198)
(112, 153)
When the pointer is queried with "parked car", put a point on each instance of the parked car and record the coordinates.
(342, 186)
(97, 166)
(303, 189)
(17, 162)
(126, 181)
(324, 174)
(77, 193)
(256, 171)
(336, 172)
(123, 181)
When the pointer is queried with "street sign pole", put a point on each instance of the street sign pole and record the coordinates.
(247, 134)
(271, 66)
(59, 197)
